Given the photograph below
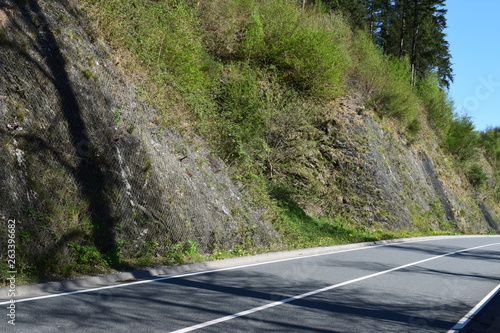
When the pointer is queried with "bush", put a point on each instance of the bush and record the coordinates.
(368, 68)
(240, 123)
(462, 139)
(307, 48)
(476, 175)
(438, 106)
(490, 141)
(260, 118)
(385, 83)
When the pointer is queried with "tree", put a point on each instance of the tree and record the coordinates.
(356, 11)
(412, 29)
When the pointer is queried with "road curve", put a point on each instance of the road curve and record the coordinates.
(425, 285)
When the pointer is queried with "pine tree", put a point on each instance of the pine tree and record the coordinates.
(412, 29)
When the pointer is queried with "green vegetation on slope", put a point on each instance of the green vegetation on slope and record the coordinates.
(254, 76)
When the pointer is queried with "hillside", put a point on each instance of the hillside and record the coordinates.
(154, 133)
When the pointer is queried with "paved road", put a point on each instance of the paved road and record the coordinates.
(419, 286)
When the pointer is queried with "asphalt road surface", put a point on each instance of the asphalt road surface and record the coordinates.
(418, 286)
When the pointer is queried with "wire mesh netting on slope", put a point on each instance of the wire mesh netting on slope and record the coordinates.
(83, 168)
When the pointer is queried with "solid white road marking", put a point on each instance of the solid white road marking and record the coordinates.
(479, 306)
(317, 291)
(216, 270)
(199, 273)
(370, 246)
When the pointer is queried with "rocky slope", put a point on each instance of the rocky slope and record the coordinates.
(375, 175)
(84, 167)
(89, 175)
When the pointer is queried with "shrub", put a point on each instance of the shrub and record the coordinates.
(260, 118)
(385, 82)
(476, 175)
(490, 141)
(85, 257)
(462, 139)
(438, 106)
(368, 69)
(183, 252)
(240, 123)
(307, 48)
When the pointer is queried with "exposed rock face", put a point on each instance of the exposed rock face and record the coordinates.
(369, 173)
(80, 158)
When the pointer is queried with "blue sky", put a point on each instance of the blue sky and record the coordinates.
(474, 36)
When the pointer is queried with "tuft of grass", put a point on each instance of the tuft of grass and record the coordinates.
(88, 74)
(117, 114)
(184, 252)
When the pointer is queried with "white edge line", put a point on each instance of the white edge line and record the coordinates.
(192, 274)
(475, 310)
(369, 246)
(317, 291)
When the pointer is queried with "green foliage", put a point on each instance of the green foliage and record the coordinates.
(368, 65)
(87, 257)
(476, 175)
(437, 104)
(88, 74)
(39, 216)
(490, 142)
(241, 118)
(307, 48)
(183, 252)
(396, 98)
(163, 37)
(117, 114)
(262, 121)
(385, 82)
(462, 139)
(302, 230)
(253, 43)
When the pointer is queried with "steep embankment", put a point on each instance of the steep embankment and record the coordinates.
(87, 175)
(370, 173)
(96, 178)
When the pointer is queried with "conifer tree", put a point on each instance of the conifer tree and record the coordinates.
(412, 29)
